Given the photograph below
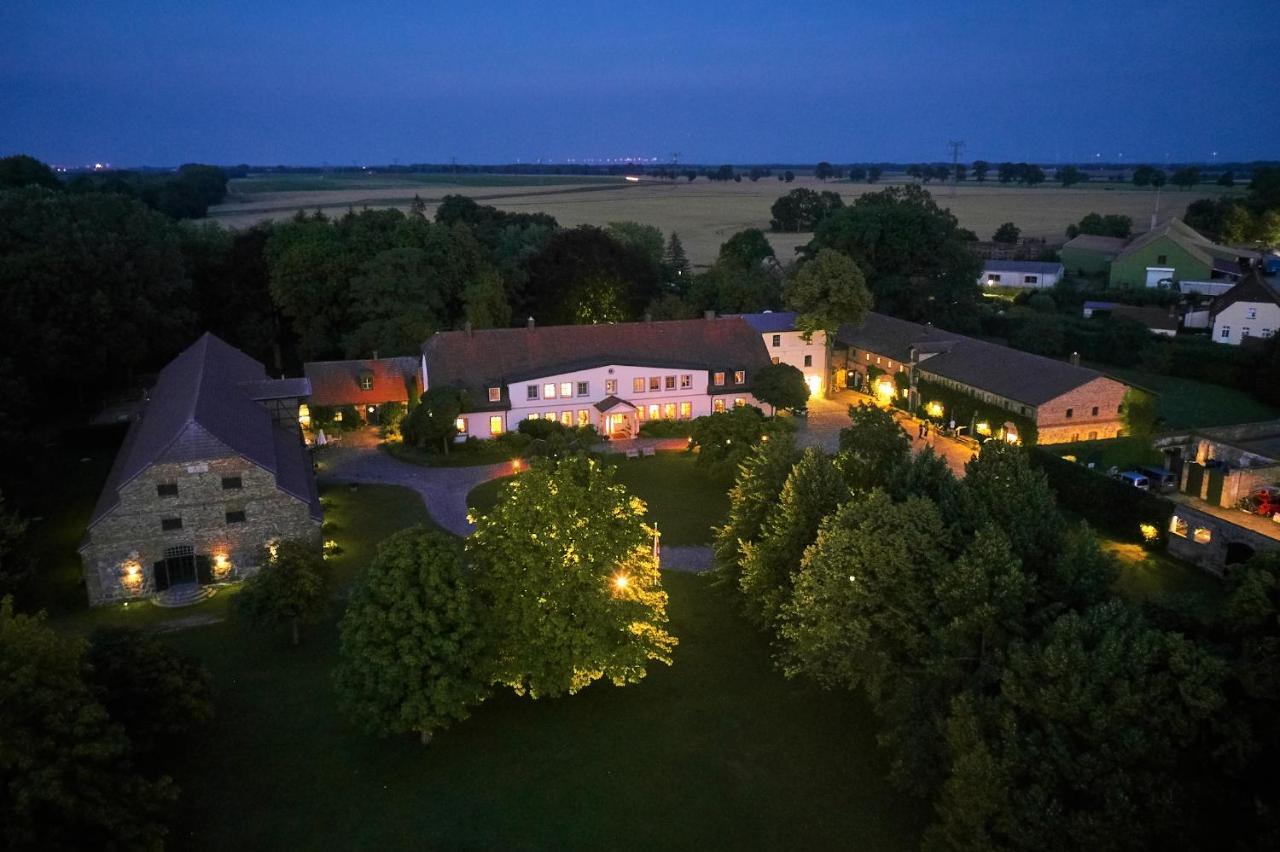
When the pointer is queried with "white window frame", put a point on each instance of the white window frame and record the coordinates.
(531, 391)
(495, 394)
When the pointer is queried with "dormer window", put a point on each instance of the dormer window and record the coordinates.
(366, 380)
(718, 379)
(495, 394)
(740, 377)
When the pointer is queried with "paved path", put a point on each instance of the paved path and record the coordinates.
(443, 489)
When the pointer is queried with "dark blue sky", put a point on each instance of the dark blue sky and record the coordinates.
(269, 82)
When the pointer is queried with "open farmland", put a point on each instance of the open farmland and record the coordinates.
(704, 213)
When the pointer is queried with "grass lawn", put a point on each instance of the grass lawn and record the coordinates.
(1124, 453)
(1160, 579)
(716, 751)
(1184, 403)
(683, 500)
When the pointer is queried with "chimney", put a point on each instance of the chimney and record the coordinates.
(529, 323)
(709, 315)
(1075, 359)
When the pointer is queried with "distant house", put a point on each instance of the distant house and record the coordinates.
(1161, 321)
(1089, 254)
(787, 346)
(364, 384)
(1175, 252)
(895, 358)
(1020, 273)
(612, 377)
(1249, 309)
(213, 469)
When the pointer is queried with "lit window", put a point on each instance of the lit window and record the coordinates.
(549, 391)
(869, 358)
(584, 417)
(718, 406)
(686, 410)
(655, 383)
(232, 483)
(686, 381)
(566, 390)
(495, 424)
(495, 394)
(1178, 526)
(777, 340)
(740, 377)
(611, 387)
(167, 489)
(1202, 535)
(738, 402)
(639, 412)
(669, 382)
(171, 523)
(653, 411)
(718, 380)
(669, 411)
(775, 360)
(584, 388)
(637, 385)
(1093, 436)
(460, 424)
(531, 391)
(304, 415)
(236, 517)
(366, 381)
(337, 416)
(566, 417)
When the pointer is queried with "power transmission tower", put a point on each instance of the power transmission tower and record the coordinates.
(956, 146)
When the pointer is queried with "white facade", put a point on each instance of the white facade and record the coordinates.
(1246, 319)
(809, 357)
(643, 393)
(1023, 279)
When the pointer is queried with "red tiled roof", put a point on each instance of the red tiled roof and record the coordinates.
(338, 382)
(478, 360)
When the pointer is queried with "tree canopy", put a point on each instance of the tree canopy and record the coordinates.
(291, 587)
(826, 292)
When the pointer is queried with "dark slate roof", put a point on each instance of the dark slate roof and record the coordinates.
(1252, 288)
(1093, 242)
(477, 360)
(202, 407)
(768, 322)
(277, 389)
(611, 401)
(1029, 267)
(1020, 376)
(338, 382)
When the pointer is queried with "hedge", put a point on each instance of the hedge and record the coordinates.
(666, 428)
(1108, 504)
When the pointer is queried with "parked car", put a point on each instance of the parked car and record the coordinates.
(1263, 500)
(1136, 479)
(1162, 479)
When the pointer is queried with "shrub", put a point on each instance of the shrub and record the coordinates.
(666, 428)
(1118, 509)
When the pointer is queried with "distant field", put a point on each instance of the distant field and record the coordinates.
(705, 214)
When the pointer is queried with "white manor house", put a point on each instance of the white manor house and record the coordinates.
(612, 377)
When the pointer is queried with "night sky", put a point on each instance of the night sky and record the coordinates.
(325, 82)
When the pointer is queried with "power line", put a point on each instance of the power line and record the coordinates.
(956, 146)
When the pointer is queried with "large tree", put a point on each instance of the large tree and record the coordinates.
(761, 476)
(813, 488)
(291, 588)
(585, 276)
(569, 567)
(67, 779)
(872, 447)
(782, 387)
(414, 655)
(19, 171)
(912, 252)
(826, 292)
(432, 424)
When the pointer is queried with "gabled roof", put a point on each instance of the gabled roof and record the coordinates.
(1196, 244)
(203, 406)
(474, 361)
(1092, 242)
(1028, 267)
(1010, 373)
(1252, 288)
(338, 382)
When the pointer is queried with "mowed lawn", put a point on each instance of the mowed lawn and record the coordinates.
(682, 499)
(718, 750)
(1184, 403)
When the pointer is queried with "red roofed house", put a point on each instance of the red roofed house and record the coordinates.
(612, 377)
(365, 384)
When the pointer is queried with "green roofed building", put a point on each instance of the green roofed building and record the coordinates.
(1174, 252)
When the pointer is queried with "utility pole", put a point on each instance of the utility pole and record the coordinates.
(956, 146)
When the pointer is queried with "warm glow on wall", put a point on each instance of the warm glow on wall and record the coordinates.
(132, 569)
(983, 428)
(814, 383)
(304, 415)
(221, 566)
(885, 390)
(933, 409)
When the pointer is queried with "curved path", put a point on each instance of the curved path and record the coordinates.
(444, 491)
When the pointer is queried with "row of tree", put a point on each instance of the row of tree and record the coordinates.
(1018, 694)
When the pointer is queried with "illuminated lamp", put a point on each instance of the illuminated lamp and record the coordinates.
(934, 409)
(1149, 532)
(221, 566)
(983, 428)
(885, 390)
(814, 383)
